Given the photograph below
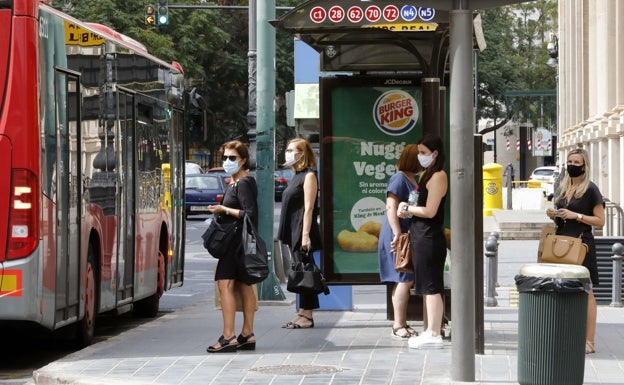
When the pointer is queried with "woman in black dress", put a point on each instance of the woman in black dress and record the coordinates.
(240, 199)
(298, 226)
(579, 207)
(427, 238)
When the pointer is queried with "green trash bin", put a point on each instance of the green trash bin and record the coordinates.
(552, 321)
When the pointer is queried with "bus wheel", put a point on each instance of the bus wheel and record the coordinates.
(86, 326)
(148, 307)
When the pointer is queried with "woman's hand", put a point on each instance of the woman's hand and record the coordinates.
(401, 210)
(551, 213)
(393, 243)
(306, 243)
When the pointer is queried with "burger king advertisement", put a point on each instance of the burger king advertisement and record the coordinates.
(366, 124)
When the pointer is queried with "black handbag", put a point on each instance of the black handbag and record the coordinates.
(255, 262)
(306, 278)
(218, 237)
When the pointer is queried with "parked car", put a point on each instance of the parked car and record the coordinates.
(282, 177)
(546, 176)
(192, 168)
(225, 177)
(201, 191)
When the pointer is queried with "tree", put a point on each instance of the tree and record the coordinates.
(515, 58)
(212, 47)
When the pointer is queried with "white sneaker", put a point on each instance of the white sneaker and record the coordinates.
(425, 341)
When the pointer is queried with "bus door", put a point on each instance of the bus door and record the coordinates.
(67, 194)
(125, 204)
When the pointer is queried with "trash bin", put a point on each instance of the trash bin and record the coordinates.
(552, 319)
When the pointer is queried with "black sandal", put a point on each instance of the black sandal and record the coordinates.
(244, 343)
(294, 325)
(401, 337)
(226, 346)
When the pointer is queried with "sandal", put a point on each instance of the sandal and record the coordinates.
(244, 343)
(225, 346)
(589, 347)
(295, 325)
(410, 330)
(403, 336)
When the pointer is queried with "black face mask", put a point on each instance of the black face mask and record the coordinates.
(574, 170)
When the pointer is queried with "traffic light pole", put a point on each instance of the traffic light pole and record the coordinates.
(261, 120)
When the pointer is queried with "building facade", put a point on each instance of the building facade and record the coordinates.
(591, 88)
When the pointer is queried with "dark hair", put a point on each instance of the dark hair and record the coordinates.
(433, 143)
(241, 148)
(408, 161)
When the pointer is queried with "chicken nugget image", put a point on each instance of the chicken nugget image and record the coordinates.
(371, 227)
(357, 241)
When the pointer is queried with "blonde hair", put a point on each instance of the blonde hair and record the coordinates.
(308, 160)
(566, 183)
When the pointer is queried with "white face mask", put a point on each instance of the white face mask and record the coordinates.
(230, 166)
(425, 160)
(290, 159)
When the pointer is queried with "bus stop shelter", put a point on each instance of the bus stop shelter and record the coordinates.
(436, 39)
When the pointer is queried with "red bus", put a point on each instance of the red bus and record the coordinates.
(92, 175)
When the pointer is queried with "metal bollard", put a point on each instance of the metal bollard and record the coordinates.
(618, 252)
(509, 184)
(491, 252)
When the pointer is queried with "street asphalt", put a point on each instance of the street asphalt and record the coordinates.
(351, 346)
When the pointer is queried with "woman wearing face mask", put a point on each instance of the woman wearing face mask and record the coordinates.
(240, 199)
(580, 207)
(298, 226)
(427, 238)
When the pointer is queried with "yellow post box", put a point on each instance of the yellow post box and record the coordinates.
(492, 188)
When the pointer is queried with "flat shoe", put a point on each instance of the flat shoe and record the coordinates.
(401, 337)
(225, 346)
(295, 325)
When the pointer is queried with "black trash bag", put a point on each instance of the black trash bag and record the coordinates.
(526, 284)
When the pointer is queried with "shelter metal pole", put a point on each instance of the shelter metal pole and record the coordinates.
(269, 289)
(462, 182)
(431, 105)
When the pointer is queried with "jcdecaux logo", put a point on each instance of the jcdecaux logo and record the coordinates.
(395, 112)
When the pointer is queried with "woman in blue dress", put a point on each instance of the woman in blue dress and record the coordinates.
(399, 188)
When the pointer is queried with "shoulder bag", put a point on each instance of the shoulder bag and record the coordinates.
(403, 258)
(218, 237)
(563, 249)
(306, 278)
(255, 256)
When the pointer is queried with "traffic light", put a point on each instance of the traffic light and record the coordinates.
(163, 12)
(150, 15)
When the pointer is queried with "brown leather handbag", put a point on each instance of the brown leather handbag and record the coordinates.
(563, 249)
(403, 260)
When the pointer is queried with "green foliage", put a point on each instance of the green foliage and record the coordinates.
(212, 47)
(515, 57)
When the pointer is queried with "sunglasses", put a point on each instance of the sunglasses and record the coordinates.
(230, 157)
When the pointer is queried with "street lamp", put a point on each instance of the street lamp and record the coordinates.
(553, 50)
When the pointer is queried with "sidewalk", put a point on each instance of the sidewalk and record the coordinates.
(344, 347)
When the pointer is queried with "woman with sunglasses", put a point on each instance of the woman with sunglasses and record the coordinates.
(240, 199)
(579, 208)
(298, 226)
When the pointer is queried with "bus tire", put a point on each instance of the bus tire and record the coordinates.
(148, 307)
(85, 329)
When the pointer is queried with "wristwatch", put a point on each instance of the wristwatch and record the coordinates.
(579, 217)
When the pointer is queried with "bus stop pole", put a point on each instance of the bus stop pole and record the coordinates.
(269, 289)
(462, 190)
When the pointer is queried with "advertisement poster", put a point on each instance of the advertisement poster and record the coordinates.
(365, 128)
